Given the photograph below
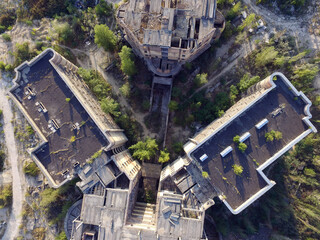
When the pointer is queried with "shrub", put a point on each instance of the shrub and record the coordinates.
(2, 65)
(201, 79)
(273, 135)
(125, 89)
(48, 197)
(61, 236)
(266, 56)
(6, 37)
(237, 169)
(164, 157)
(72, 139)
(205, 174)
(30, 168)
(63, 30)
(68, 100)
(173, 105)
(95, 155)
(236, 139)
(5, 196)
(2, 159)
(9, 68)
(242, 147)
(309, 172)
(29, 130)
(22, 53)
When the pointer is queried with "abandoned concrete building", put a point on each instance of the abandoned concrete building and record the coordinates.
(77, 138)
(64, 113)
(168, 33)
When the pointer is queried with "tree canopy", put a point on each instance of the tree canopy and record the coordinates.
(144, 150)
(164, 157)
(110, 106)
(127, 61)
(104, 37)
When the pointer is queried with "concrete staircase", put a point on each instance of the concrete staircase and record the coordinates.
(143, 216)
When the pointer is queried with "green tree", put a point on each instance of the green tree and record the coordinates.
(104, 37)
(201, 79)
(164, 156)
(145, 150)
(127, 62)
(242, 147)
(110, 106)
(237, 169)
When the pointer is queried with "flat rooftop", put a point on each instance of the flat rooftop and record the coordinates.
(72, 136)
(284, 112)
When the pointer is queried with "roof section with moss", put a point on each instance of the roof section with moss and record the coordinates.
(70, 134)
(286, 110)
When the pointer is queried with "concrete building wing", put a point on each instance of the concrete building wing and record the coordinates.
(64, 113)
(284, 109)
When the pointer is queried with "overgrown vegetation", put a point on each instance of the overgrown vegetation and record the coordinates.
(237, 169)
(102, 90)
(30, 168)
(56, 202)
(5, 196)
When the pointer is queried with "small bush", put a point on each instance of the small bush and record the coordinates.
(29, 130)
(236, 139)
(242, 147)
(62, 236)
(5, 196)
(237, 169)
(6, 37)
(201, 79)
(205, 174)
(273, 135)
(164, 157)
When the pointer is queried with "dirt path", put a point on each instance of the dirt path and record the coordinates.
(17, 191)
